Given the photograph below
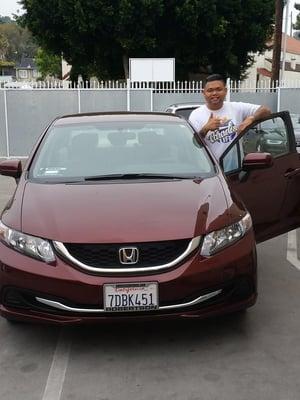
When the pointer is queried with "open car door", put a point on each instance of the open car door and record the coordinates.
(266, 174)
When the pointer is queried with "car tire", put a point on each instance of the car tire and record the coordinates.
(239, 315)
(12, 321)
(242, 312)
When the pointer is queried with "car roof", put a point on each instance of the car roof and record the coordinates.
(185, 105)
(116, 116)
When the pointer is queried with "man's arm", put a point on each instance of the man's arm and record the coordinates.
(260, 113)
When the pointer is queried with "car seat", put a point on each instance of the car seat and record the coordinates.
(83, 154)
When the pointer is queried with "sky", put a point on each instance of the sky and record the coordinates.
(9, 7)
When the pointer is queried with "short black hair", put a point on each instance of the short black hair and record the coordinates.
(216, 77)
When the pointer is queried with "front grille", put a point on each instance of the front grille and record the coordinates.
(107, 255)
(15, 298)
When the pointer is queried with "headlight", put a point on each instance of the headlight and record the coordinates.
(30, 245)
(217, 240)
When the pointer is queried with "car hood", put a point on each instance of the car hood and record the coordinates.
(122, 211)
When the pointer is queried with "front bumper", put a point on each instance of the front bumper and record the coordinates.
(34, 291)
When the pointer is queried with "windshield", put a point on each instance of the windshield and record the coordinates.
(85, 150)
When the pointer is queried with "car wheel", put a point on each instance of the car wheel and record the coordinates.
(12, 321)
(241, 312)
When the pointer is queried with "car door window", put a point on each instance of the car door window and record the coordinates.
(269, 136)
(272, 137)
(232, 160)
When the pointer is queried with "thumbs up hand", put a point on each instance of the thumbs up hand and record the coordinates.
(212, 124)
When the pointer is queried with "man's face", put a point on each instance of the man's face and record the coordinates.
(214, 94)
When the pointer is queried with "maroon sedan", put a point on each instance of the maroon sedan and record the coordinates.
(128, 215)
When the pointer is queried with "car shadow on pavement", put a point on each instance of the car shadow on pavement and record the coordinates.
(159, 333)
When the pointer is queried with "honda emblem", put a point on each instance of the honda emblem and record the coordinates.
(128, 255)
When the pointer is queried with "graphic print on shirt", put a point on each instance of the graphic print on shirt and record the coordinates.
(224, 134)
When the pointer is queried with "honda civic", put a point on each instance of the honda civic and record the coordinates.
(129, 216)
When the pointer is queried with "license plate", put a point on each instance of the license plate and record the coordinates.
(131, 297)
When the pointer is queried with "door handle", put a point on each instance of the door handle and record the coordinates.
(291, 172)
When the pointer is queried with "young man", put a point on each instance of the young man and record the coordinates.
(219, 121)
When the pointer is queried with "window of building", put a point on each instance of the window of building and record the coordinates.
(23, 73)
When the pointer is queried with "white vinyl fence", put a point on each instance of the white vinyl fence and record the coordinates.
(27, 108)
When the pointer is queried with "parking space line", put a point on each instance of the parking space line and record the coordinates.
(292, 253)
(56, 377)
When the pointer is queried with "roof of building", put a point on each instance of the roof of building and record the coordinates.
(292, 44)
(27, 62)
(264, 72)
(5, 64)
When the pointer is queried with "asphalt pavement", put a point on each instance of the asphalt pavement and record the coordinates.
(250, 356)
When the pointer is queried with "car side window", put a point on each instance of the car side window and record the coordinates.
(269, 136)
(185, 112)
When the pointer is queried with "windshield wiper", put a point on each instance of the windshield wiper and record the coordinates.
(58, 182)
(134, 176)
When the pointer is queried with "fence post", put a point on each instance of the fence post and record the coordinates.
(278, 91)
(228, 84)
(6, 125)
(128, 94)
(79, 99)
(151, 99)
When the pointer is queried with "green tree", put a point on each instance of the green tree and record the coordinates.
(3, 46)
(5, 19)
(98, 36)
(20, 41)
(48, 64)
(216, 35)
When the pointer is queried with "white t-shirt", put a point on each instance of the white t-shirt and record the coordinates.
(232, 115)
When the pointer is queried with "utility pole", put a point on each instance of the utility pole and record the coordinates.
(285, 38)
(279, 4)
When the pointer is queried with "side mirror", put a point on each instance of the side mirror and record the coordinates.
(257, 161)
(11, 168)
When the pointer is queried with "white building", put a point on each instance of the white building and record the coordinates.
(65, 69)
(262, 67)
